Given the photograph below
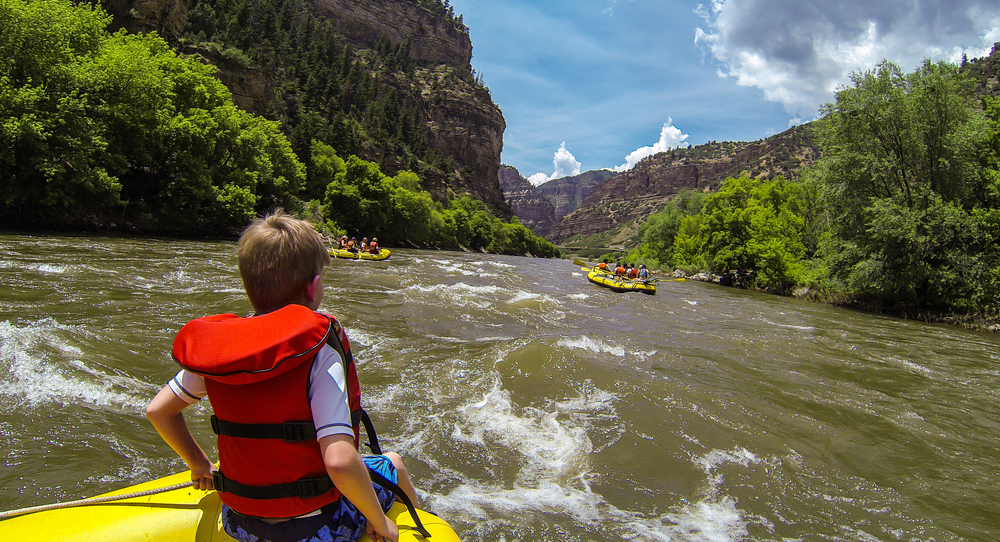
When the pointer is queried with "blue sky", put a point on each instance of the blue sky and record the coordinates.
(592, 84)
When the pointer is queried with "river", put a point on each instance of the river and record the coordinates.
(528, 403)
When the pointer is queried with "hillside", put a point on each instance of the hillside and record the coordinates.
(539, 207)
(532, 208)
(644, 189)
(388, 80)
(568, 193)
(985, 72)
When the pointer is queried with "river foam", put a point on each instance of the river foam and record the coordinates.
(44, 367)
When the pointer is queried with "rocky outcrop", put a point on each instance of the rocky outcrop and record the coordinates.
(432, 38)
(539, 207)
(465, 124)
(166, 17)
(985, 72)
(462, 122)
(656, 179)
(568, 193)
(531, 207)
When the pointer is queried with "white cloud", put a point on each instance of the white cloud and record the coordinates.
(797, 52)
(566, 165)
(671, 137)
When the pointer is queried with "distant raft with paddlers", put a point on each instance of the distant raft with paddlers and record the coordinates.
(166, 510)
(620, 284)
(383, 254)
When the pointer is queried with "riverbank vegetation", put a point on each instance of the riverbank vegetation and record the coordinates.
(901, 213)
(120, 133)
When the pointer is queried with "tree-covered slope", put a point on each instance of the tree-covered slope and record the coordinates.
(387, 80)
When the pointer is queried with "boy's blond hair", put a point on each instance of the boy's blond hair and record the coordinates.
(278, 255)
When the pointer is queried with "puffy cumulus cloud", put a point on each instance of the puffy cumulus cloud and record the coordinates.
(670, 138)
(797, 52)
(566, 165)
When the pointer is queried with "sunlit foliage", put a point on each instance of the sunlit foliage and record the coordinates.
(902, 211)
(96, 126)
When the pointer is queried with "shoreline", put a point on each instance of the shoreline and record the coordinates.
(977, 322)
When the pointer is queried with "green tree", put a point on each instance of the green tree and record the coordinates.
(752, 225)
(905, 182)
(659, 230)
(101, 128)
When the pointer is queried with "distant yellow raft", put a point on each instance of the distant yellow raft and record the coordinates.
(620, 284)
(383, 254)
(176, 515)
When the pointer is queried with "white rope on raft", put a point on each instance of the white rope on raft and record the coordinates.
(92, 500)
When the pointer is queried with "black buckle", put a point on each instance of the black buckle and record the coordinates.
(310, 487)
(299, 431)
(218, 480)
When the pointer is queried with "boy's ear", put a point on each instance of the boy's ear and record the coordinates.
(311, 287)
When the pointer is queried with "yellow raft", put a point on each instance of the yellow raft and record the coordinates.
(176, 515)
(620, 284)
(383, 254)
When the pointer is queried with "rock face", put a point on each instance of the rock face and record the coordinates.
(568, 193)
(656, 179)
(528, 203)
(462, 120)
(463, 123)
(986, 72)
(166, 17)
(433, 39)
(539, 207)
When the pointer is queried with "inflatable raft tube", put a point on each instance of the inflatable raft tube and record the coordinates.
(383, 254)
(619, 284)
(171, 511)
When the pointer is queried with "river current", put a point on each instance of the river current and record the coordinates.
(528, 403)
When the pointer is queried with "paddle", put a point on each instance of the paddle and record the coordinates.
(589, 267)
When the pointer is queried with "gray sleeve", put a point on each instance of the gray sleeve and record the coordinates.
(328, 395)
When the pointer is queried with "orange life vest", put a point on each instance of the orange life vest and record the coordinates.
(256, 373)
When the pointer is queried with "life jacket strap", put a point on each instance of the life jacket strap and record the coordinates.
(304, 488)
(288, 431)
(402, 496)
(372, 435)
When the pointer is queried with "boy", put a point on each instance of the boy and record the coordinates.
(287, 370)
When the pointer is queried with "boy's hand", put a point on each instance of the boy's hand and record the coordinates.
(391, 533)
(201, 477)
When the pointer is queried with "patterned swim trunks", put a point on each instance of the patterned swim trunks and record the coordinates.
(339, 521)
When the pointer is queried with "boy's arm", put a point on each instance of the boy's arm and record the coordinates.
(164, 412)
(350, 475)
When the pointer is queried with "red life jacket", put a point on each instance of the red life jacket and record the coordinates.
(256, 372)
(633, 273)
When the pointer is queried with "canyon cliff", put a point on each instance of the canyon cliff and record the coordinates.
(539, 207)
(568, 193)
(459, 120)
(532, 208)
(647, 187)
